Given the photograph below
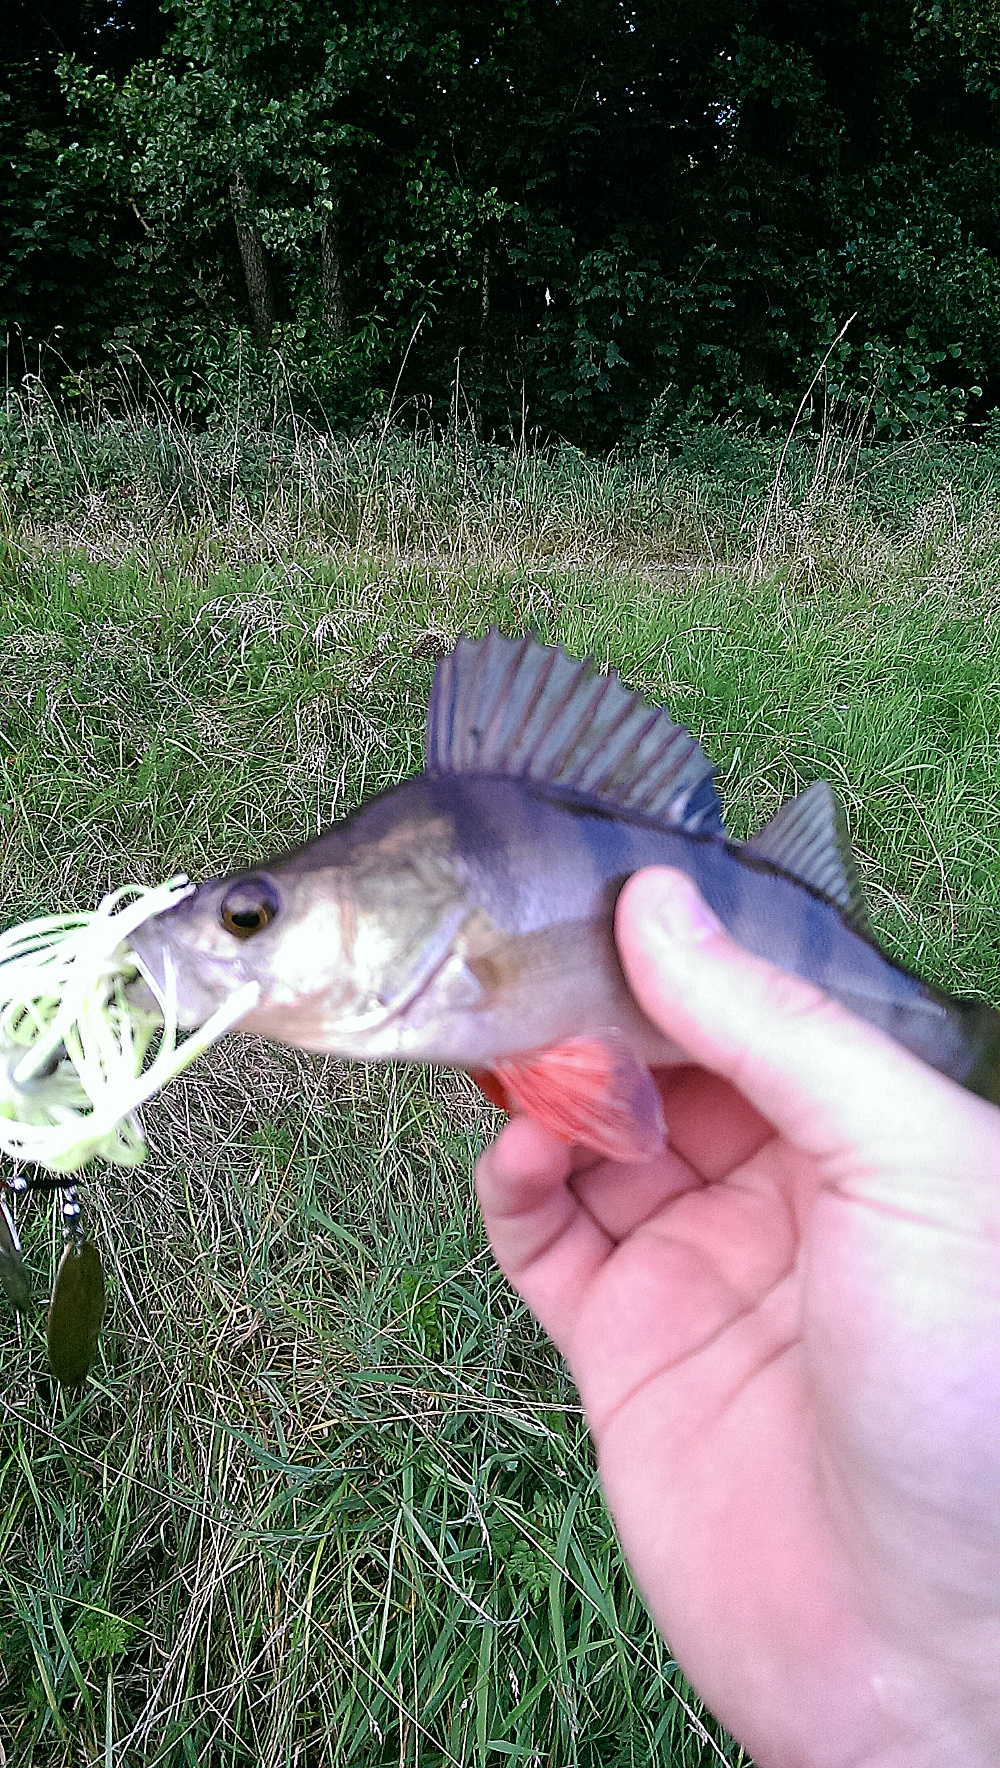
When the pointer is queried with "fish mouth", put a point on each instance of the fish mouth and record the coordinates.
(165, 971)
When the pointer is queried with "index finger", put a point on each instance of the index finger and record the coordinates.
(543, 1239)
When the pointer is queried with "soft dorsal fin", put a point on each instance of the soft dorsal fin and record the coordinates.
(809, 838)
(528, 711)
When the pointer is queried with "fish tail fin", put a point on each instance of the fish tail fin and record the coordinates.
(981, 1024)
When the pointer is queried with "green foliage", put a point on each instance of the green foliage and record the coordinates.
(610, 222)
(100, 1637)
(418, 1297)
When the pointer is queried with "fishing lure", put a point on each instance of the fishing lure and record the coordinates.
(77, 1056)
(76, 1307)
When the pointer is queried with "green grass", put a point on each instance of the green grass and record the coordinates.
(327, 1497)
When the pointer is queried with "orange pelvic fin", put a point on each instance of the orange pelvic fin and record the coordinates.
(488, 1083)
(591, 1090)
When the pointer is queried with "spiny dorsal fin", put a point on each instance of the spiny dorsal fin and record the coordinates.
(809, 838)
(528, 711)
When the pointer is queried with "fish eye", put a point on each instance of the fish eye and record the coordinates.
(248, 907)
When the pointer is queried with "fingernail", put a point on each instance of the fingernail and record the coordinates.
(682, 912)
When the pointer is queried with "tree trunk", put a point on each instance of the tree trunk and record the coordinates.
(254, 258)
(335, 316)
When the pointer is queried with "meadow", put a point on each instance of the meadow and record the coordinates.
(327, 1497)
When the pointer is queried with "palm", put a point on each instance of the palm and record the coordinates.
(707, 1304)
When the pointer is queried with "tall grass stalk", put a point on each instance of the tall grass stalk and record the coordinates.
(133, 480)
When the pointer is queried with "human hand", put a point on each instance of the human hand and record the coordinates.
(786, 1336)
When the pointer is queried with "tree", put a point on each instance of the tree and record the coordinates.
(618, 218)
(59, 229)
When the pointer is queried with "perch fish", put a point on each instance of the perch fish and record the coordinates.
(465, 917)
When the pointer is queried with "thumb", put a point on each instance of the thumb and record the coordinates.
(833, 1086)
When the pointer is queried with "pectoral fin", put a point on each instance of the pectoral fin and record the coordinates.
(591, 1090)
(494, 1089)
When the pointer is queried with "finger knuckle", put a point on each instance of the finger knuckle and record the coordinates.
(789, 998)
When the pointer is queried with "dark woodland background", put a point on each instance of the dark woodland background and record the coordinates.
(587, 218)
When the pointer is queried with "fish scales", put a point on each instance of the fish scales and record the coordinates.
(466, 917)
(581, 858)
